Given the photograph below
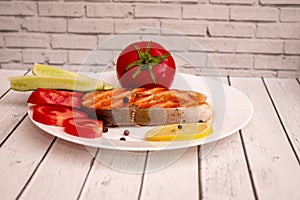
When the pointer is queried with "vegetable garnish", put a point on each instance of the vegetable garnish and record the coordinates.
(145, 64)
(55, 97)
(54, 78)
(55, 115)
(86, 128)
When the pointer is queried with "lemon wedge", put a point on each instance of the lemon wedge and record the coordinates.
(179, 132)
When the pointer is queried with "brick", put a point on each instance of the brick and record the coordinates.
(90, 26)
(243, 13)
(292, 47)
(231, 61)
(260, 46)
(61, 9)
(286, 31)
(50, 57)
(279, 2)
(10, 55)
(291, 62)
(14, 66)
(127, 25)
(158, 11)
(187, 27)
(289, 74)
(183, 1)
(118, 42)
(205, 71)
(146, 1)
(9, 24)
(18, 8)
(205, 12)
(251, 73)
(290, 14)
(1, 41)
(232, 29)
(190, 59)
(48, 25)
(172, 43)
(99, 57)
(73, 42)
(267, 62)
(27, 40)
(246, 2)
(213, 45)
(109, 10)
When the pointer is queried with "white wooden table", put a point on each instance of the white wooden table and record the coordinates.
(261, 161)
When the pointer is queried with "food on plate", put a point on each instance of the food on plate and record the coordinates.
(55, 115)
(86, 128)
(27, 83)
(175, 132)
(55, 97)
(54, 78)
(46, 70)
(147, 106)
(145, 64)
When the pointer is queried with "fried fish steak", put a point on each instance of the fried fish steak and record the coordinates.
(143, 106)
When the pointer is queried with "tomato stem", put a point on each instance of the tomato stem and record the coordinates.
(146, 62)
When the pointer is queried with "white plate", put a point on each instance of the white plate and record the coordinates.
(232, 111)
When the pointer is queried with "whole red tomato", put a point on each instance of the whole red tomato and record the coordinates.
(145, 64)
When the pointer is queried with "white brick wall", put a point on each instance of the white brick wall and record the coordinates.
(240, 37)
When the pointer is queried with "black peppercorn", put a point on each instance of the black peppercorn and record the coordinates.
(123, 139)
(105, 129)
(125, 100)
(179, 126)
(126, 132)
(200, 121)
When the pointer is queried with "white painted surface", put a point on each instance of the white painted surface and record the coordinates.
(286, 97)
(64, 171)
(275, 170)
(171, 175)
(224, 173)
(19, 156)
(5, 74)
(115, 175)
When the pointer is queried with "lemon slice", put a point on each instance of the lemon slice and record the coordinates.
(179, 132)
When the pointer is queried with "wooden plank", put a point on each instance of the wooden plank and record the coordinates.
(286, 97)
(273, 165)
(62, 173)
(19, 157)
(171, 175)
(4, 74)
(224, 173)
(115, 175)
(13, 108)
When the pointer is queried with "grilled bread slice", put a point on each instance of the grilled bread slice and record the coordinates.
(142, 106)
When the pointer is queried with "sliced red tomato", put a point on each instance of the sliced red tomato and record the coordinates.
(86, 128)
(55, 115)
(55, 97)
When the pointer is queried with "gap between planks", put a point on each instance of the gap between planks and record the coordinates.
(281, 122)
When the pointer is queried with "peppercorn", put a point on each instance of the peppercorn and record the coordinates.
(126, 132)
(123, 139)
(125, 100)
(179, 126)
(105, 129)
